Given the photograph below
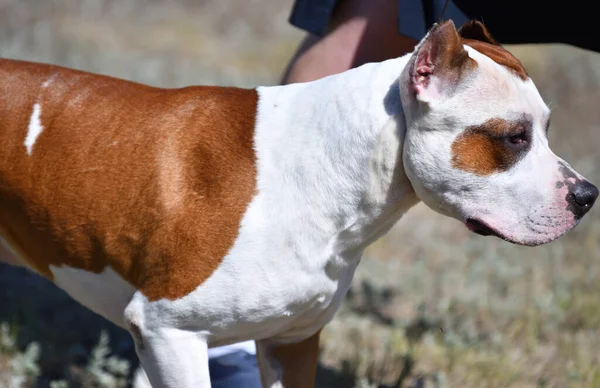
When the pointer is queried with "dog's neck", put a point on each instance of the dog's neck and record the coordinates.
(335, 147)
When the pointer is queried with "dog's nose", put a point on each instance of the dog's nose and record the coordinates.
(582, 197)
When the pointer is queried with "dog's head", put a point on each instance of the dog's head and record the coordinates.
(476, 147)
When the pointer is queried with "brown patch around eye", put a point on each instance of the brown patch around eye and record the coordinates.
(486, 149)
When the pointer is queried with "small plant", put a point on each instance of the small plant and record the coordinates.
(105, 370)
(16, 368)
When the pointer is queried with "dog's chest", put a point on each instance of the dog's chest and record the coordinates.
(314, 299)
(302, 309)
(281, 300)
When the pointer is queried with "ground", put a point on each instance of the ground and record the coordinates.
(432, 305)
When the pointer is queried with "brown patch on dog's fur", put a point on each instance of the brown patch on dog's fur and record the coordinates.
(499, 55)
(442, 54)
(477, 36)
(150, 182)
(483, 149)
(297, 362)
(476, 30)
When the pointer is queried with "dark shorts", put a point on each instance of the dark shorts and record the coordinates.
(234, 370)
(414, 16)
(509, 21)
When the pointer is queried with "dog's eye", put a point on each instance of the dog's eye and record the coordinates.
(518, 140)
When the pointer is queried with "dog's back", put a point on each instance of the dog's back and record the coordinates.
(99, 173)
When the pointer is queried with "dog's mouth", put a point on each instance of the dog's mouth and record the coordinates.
(534, 238)
(482, 228)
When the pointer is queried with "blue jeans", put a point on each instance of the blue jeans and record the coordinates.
(234, 370)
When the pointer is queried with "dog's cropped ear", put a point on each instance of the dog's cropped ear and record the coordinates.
(476, 30)
(439, 62)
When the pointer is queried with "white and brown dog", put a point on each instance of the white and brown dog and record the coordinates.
(204, 216)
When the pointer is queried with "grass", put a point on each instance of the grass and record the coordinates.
(431, 305)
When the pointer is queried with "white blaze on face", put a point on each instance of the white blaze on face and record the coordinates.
(35, 128)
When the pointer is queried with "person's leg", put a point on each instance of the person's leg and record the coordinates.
(359, 32)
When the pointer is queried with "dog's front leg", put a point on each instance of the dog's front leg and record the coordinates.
(290, 365)
(174, 358)
(171, 357)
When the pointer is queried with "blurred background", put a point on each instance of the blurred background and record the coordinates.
(432, 305)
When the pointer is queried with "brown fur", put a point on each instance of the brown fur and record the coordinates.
(476, 35)
(483, 150)
(443, 54)
(150, 182)
(480, 149)
(476, 30)
(298, 362)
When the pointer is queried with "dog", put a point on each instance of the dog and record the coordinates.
(205, 216)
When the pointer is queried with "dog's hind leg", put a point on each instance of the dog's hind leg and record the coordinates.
(289, 365)
(171, 357)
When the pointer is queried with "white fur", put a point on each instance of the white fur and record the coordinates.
(338, 163)
(327, 154)
(47, 82)
(105, 293)
(303, 233)
(140, 379)
(515, 202)
(330, 181)
(35, 127)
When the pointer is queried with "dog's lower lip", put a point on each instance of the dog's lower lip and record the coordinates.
(480, 228)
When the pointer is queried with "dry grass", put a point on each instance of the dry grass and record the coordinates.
(431, 305)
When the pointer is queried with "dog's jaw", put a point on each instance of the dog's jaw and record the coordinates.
(533, 239)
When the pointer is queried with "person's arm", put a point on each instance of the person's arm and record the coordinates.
(359, 31)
